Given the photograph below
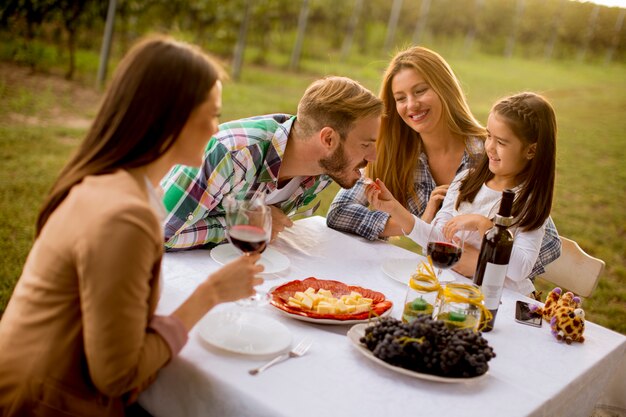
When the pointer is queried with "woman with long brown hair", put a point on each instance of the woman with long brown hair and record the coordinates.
(80, 335)
(427, 136)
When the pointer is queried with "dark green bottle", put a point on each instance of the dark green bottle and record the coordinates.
(495, 253)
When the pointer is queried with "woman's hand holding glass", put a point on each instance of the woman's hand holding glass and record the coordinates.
(248, 228)
(236, 279)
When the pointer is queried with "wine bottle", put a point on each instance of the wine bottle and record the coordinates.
(495, 253)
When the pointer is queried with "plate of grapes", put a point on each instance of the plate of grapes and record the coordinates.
(424, 349)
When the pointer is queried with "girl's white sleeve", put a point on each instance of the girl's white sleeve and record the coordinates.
(525, 252)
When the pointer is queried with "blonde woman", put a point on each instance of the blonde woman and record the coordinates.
(428, 135)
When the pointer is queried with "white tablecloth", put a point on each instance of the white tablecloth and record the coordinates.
(532, 375)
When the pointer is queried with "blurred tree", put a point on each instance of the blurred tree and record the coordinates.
(471, 32)
(297, 49)
(241, 41)
(517, 21)
(71, 12)
(275, 35)
(394, 16)
(615, 38)
(554, 32)
(591, 26)
(420, 27)
(352, 26)
(33, 12)
(494, 25)
(107, 38)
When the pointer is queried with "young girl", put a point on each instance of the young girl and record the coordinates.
(520, 154)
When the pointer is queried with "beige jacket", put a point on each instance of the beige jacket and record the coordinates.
(76, 338)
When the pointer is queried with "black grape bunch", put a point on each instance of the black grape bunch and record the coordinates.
(428, 346)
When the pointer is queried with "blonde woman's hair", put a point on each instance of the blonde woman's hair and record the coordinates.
(398, 146)
(336, 102)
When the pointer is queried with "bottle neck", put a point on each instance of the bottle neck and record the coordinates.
(503, 221)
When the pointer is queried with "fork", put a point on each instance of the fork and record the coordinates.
(300, 349)
(305, 213)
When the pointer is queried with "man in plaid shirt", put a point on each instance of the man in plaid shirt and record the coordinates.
(288, 158)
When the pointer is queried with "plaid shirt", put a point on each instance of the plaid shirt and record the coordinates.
(349, 210)
(242, 159)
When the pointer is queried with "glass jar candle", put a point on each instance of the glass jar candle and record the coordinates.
(422, 294)
(461, 306)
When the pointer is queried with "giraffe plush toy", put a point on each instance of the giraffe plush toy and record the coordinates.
(565, 315)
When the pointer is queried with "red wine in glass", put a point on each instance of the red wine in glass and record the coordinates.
(444, 255)
(249, 229)
(248, 239)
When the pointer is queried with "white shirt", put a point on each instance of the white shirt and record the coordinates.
(281, 194)
(525, 247)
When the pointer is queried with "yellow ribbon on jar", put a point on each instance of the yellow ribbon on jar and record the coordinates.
(425, 279)
(453, 293)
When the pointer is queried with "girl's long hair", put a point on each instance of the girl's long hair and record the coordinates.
(398, 146)
(532, 120)
(156, 86)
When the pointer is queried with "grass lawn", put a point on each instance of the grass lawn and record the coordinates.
(42, 118)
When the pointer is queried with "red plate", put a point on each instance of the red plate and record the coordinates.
(280, 297)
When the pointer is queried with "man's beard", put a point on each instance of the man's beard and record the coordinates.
(335, 167)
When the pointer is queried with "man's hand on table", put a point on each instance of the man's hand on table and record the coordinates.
(280, 221)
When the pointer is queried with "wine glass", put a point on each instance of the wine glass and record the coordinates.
(444, 252)
(249, 229)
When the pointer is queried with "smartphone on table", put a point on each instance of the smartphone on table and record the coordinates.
(525, 316)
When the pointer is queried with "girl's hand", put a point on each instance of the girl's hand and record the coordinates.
(236, 279)
(469, 260)
(379, 197)
(434, 202)
(468, 222)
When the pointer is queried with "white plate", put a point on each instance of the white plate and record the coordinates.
(400, 270)
(246, 333)
(328, 321)
(357, 331)
(271, 259)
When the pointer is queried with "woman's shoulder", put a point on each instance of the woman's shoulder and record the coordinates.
(118, 196)
(120, 183)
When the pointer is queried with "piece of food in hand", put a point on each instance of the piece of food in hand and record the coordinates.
(322, 301)
(369, 181)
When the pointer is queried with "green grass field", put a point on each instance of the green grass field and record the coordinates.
(42, 119)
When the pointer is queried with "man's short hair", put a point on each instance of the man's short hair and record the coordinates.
(336, 102)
